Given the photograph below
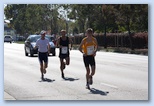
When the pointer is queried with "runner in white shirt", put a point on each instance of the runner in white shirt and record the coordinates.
(43, 49)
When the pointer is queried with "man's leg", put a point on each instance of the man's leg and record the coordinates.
(92, 74)
(45, 66)
(41, 65)
(86, 63)
(92, 63)
(67, 60)
(87, 77)
(93, 70)
(62, 66)
(87, 74)
(45, 62)
(42, 70)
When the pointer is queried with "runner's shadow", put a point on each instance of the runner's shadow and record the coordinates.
(96, 91)
(70, 79)
(47, 80)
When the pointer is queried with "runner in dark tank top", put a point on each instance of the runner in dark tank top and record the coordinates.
(63, 44)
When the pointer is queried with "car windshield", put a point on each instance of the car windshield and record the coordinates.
(49, 38)
(35, 38)
(7, 37)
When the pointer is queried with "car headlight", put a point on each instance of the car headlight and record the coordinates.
(33, 44)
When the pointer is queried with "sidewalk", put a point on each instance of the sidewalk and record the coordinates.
(8, 97)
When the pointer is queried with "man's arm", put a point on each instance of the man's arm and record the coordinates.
(36, 45)
(48, 48)
(96, 48)
(57, 43)
(80, 46)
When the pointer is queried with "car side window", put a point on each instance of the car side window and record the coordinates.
(32, 39)
(28, 39)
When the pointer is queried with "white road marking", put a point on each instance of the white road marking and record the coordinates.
(112, 86)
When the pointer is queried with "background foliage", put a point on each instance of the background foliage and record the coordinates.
(76, 18)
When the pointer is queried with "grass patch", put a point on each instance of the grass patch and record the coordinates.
(129, 51)
(120, 50)
(20, 42)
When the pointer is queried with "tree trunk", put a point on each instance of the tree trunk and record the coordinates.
(105, 42)
(129, 33)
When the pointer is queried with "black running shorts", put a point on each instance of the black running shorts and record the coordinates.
(89, 60)
(43, 57)
(63, 56)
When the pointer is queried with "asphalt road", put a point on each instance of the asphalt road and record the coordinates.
(118, 77)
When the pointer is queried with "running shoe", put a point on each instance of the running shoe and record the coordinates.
(87, 86)
(62, 75)
(42, 77)
(90, 80)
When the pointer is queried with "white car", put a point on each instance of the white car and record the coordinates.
(8, 38)
(31, 42)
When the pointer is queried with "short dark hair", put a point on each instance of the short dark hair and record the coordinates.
(63, 30)
(89, 30)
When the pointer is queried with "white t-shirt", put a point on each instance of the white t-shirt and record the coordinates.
(42, 45)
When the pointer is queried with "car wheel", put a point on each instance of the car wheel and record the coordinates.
(26, 54)
(31, 54)
(54, 53)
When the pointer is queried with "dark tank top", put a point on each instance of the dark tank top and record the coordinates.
(64, 43)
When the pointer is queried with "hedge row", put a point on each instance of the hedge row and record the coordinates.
(139, 40)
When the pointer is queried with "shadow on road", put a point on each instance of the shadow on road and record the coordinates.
(47, 80)
(36, 56)
(70, 79)
(96, 91)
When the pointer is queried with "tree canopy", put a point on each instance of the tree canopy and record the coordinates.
(76, 18)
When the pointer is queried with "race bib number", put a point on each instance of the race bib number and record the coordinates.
(64, 50)
(90, 50)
